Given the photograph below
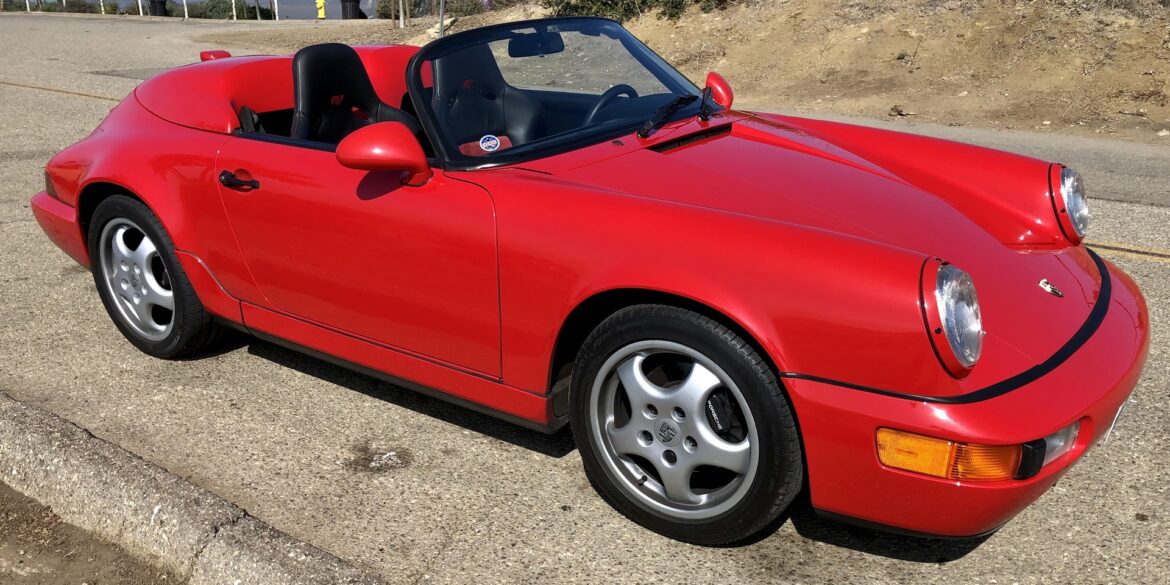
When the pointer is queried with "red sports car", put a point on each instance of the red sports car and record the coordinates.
(544, 220)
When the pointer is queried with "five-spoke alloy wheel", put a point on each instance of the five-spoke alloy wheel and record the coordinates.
(667, 414)
(141, 283)
(137, 278)
(683, 427)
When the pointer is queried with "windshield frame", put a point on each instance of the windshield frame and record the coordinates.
(448, 153)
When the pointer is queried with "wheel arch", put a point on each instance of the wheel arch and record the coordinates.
(590, 312)
(92, 195)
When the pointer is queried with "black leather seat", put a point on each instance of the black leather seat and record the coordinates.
(472, 100)
(333, 95)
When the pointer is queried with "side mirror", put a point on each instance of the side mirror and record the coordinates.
(720, 89)
(386, 146)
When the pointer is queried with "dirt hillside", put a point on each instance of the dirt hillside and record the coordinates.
(1088, 67)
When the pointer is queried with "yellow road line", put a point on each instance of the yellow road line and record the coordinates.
(64, 91)
(1155, 251)
(1160, 255)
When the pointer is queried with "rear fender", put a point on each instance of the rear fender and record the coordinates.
(168, 167)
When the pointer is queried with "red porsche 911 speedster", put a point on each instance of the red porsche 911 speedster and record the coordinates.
(546, 221)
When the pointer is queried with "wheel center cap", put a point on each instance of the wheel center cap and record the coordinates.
(667, 433)
(135, 282)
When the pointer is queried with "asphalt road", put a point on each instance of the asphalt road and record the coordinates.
(470, 499)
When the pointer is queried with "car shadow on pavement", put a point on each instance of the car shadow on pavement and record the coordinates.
(229, 340)
(810, 525)
(556, 445)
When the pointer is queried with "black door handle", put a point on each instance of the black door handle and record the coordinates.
(230, 180)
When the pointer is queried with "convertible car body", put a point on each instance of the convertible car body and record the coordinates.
(545, 221)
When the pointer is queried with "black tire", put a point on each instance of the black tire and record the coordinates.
(777, 477)
(192, 329)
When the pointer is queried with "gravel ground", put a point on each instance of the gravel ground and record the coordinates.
(37, 548)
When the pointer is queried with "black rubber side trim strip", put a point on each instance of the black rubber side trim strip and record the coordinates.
(1086, 331)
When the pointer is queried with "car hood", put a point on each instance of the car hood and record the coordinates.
(763, 169)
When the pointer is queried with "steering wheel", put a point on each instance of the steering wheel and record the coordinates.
(607, 97)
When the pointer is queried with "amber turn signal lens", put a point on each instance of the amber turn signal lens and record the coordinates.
(947, 459)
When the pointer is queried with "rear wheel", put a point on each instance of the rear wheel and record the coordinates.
(683, 427)
(141, 283)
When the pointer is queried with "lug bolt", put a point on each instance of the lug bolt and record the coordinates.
(651, 410)
(647, 437)
(670, 457)
(691, 443)
(679, 414)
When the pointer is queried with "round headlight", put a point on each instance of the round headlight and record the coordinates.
(959, 319)
(1074, 203)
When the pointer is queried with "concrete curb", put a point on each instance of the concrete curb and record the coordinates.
(117, 495)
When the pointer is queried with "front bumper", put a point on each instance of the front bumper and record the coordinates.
(839, 426)
(59, 222)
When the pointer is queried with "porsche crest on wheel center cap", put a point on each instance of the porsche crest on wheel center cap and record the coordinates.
(667, 433)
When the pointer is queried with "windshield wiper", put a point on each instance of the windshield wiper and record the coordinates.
(661, 114)
(705, 109)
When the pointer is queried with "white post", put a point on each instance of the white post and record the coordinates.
(276, 9)
(257, 9)
(233, 9)
(186, 15)
(102, 3)
(442, 13)
(27, 6)
(401, 13)
(139, 7)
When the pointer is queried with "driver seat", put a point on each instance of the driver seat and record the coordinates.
(333, 95)
(472, 100)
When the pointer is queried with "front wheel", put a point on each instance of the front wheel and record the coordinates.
(682, 426)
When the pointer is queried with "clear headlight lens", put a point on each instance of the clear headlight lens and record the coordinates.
(1076, 203)
(1060, 442)
(958, 310)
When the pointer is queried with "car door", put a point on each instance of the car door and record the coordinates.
(412, 268)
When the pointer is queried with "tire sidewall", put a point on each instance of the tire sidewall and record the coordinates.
(771, 488)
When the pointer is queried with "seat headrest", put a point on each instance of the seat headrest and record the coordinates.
(473, 67)
(328, 75)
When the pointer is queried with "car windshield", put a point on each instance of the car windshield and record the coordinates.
(518, 91)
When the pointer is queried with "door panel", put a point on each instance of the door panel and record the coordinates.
(409, 267)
